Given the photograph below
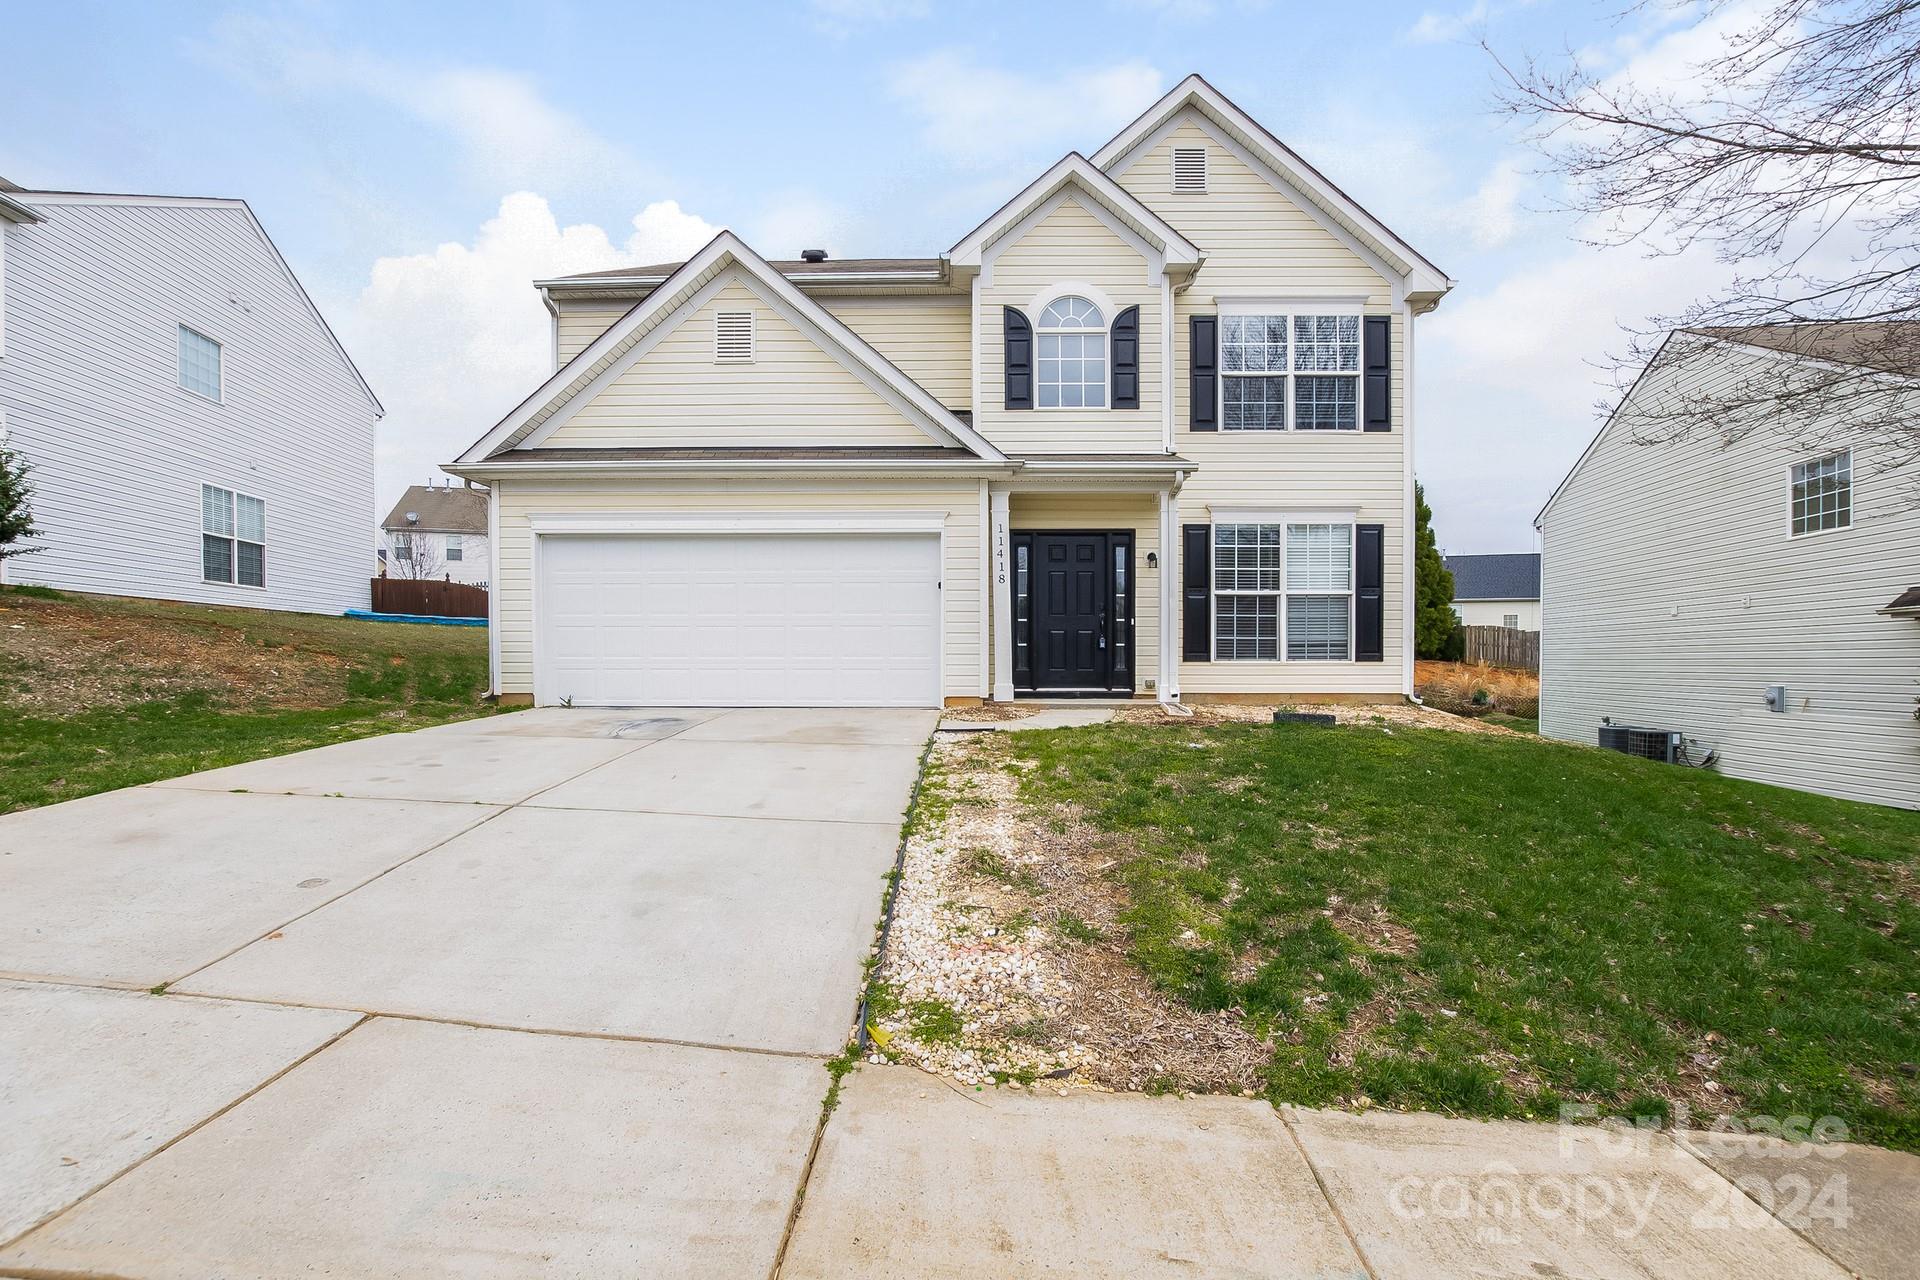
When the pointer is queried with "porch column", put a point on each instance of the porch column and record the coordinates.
(1002, 597)
(1171, 599)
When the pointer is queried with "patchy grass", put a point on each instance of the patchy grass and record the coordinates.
(99, 692)
(1494, 925)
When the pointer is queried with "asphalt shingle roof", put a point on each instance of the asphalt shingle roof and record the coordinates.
(785, 266)
(1514, 576)
(441, 510)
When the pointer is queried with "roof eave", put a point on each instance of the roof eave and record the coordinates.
(509, 467)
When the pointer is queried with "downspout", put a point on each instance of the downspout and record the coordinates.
(1169, 688)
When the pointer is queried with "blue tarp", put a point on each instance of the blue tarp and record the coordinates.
(366, 616)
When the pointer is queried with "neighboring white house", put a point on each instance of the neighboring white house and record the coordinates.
(1685, 581)
(1146, 431)
(439, 531)
(195, 430)
(1497, 590)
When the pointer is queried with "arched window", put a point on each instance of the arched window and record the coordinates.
(1073, 355)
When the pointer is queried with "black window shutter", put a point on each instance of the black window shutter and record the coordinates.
(1124, 339)
(1377, 372)
(1203, 360)
(1369, 575)
(1196, 567)
(1019, 344)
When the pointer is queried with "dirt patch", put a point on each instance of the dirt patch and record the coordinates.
(991, 712)
(1471, 688)
(1388, 714)
(60, 659)
(1006, 960)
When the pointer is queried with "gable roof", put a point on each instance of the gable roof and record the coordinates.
(862, 268)
(1890, 346)
(1422, 276)
(1075, 170)
(1511, 576)
(609, 354)
(45, 200)
(439, 509)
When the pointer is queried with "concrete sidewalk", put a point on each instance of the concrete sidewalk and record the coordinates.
(917, 1177)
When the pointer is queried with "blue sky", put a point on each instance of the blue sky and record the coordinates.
(418, 164)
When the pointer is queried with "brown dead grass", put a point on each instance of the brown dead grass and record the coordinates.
(64, 657)
(1451, 685)
(1389, 714)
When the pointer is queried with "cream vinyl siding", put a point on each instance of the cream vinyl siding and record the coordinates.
(1069, 245)
(1673, 595)
(1259, 243)
(790, 393)
(579, 323)
(1099, 512)
(957, 501)
(926, 337)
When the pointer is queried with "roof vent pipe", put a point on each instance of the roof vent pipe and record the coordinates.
(813, 255)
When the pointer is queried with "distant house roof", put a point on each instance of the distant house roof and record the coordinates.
(1892, 346)
(787, 267)
(440, 510)
(1514, 576)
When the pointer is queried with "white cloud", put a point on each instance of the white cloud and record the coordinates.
(981, 115)
(1491, 215)
(454, 338)
(508, 134)
(1440, 27)
(841, 16)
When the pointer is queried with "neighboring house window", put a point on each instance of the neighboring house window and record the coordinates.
(1319, 592)
(199, 364)
(1190, 170)
(733, 336)
(1823, 493)
(1073, 355)
(233, 537)
(1313, 358)
(1510, 621)
(454, 551)
(403, 546)
(1247, 590)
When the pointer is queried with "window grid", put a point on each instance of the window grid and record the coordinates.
(1283, 591)
(455, 551)
(1318, 354)
(233, 537)
(199, 364)
(1072, 340)
(1823, 493)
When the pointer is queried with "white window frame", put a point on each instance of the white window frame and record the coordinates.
(219, 363)
(453, 548)
(1285, 521)
(1105, 335)
(402, 543)
(1511, 621)
(232, 537)
(1794, 473)
(1291, 308)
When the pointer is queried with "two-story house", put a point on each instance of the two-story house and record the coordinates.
(1144, 431)
(194, 429)
(439, 531)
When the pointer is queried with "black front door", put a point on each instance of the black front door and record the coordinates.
(1073, 610)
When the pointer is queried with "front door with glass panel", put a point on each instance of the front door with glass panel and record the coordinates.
(1073, 612)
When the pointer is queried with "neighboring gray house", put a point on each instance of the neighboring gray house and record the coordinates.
(1497, 590)
(438, 531)
(195, 430)
(1683, 582)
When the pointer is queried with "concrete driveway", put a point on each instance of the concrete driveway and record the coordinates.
(541, 994)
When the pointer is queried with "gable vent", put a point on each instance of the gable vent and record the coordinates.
(1189, 168)
(733, 335)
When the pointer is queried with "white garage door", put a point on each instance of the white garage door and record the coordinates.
(739, 620)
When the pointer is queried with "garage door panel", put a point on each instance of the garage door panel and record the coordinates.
(740, 620)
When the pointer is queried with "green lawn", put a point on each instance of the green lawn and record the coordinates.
(1496, 925)
(100, 692)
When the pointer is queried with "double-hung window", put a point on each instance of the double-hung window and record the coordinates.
(233, 537)
(1283, 590)
(1282, 369)
(454, 550)
(1823, 493)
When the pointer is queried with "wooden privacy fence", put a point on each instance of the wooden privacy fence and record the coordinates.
(1503, 647)
(429, 598)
